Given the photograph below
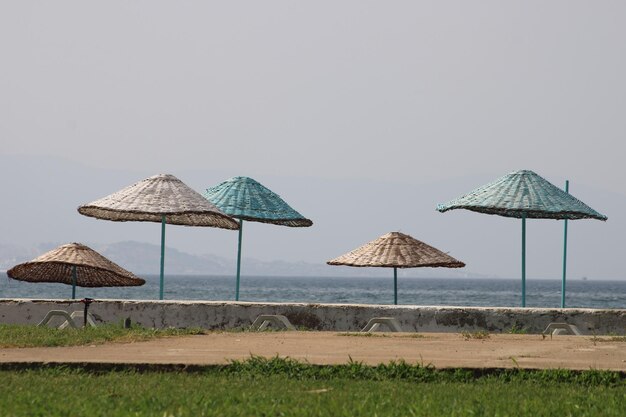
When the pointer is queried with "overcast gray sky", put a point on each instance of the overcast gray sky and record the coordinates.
(426, 98)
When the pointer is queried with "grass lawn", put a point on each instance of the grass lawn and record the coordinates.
(282, 387)
(12, 335)
(279, 387)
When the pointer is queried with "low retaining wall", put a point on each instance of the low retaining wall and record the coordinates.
(333, 317)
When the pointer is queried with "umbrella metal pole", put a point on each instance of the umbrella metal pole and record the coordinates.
(564, 254)
(74, 279)
(162, 256)
(238, 260)
(395, 285)
(523, 260)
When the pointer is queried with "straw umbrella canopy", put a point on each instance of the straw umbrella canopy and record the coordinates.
(246, 199)
(77, 265)
(396, 250)
(523, 195)
(163, 199)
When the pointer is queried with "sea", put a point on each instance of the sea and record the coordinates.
(483, 292)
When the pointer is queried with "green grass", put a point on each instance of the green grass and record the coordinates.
(32, 336)
(515, 329)
(282, 387)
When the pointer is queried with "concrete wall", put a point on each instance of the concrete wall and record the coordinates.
(334, 317)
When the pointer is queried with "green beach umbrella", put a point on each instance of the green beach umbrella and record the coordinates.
(396, 250)
(246, 199)
(523, 195)
(77, 265)
(161, 199)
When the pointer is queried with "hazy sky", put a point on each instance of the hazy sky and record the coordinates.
(363, 96)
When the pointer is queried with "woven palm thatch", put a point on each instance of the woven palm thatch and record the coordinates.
(92, 269)
(397, 250)
(152, 198)
(523, 194)
(247, 199)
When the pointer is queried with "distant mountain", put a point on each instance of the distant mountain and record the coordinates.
(138, 257)
(11, 255)
(144, 259)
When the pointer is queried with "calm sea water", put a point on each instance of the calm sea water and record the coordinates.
(414, 291)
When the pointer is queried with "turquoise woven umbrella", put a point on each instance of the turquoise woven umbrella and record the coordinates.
(246, 199)
(524, 195)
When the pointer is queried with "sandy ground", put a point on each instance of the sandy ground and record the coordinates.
(437, 349)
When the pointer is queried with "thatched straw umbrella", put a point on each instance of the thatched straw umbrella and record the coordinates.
(396, 250)
(246, 199)
(77, 265)
(524, 194)
(163, 199)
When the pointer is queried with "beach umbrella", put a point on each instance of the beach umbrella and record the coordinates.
(246, 199)
(523, 195)
(162, 199)
(396, 250)
(77, 265)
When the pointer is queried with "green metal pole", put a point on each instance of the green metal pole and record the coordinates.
(564, 254)
(523, 260)
(74, 279)
(395, 285)
(162, 256)
(238, 260)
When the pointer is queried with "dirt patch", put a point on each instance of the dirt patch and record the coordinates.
(437, 349)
